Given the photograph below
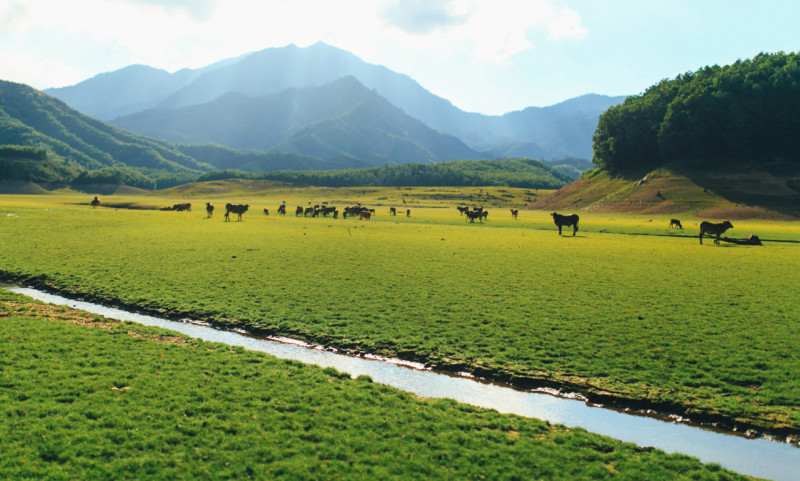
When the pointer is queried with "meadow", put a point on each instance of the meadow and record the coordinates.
(627, 310)
(82, 397)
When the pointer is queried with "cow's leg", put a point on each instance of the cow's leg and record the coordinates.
(559, 229)
(701, 237)
(574, 229)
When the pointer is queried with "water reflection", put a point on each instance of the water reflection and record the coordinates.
(756, 457)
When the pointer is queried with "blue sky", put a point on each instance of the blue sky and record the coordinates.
(488, 56)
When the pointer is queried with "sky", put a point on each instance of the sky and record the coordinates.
(487, 56)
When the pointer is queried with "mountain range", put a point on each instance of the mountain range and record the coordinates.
(161, 104)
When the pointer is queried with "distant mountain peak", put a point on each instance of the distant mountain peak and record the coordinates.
(562, 129)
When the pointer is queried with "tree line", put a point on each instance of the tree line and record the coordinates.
(35, 164)
(525, 173)
(747, 114)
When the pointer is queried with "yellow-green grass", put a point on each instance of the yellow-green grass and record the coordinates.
(271, 194)
(640, 312)
(82, 397)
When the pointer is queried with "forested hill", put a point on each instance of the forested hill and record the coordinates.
(745, 115)
(524, 173)
(30, 118)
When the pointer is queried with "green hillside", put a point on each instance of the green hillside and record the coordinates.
(742, 115)
(719, 142)
(79, 143)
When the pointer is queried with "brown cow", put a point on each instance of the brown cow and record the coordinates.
(514, 213)
(714, 229)
(364, 215)
(95, 202)
(675, 223)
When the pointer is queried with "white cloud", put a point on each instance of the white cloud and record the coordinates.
(423, 16)
(566, 24)
(441, 43)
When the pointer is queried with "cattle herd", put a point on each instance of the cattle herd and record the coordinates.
(471, 214)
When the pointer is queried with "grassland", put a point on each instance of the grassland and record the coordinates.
(628, 310)
(82, 397)
(732, 195)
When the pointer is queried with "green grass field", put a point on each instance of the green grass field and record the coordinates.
(82, 397)
(628, 308)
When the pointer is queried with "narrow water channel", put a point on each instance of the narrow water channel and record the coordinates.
(759, 457)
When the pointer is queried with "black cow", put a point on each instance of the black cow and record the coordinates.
(95, 202)
(566, 220)
(209, 209)
(714, 229)
(392, 211)
(282, 209)
(474, 214)
(182, 207)
(237, 209)
(514, 213)
(266, 211)
(675, 223)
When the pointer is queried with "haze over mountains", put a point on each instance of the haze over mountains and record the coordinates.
(324, 102)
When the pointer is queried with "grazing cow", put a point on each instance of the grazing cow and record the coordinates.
(237, 209)
(299, 211)
(714, 229)
(675, 223)
(392, 211)
(408, 212)
(462, 209)
(308, 211)
(474, 214)
(182, 207)
(95, 202)
(209, 209)
(266, 211)
(326, 209)
(514, 213)
(282, 209)
(566, 220)
(364, 215)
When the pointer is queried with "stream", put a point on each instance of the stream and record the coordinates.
(759, 457)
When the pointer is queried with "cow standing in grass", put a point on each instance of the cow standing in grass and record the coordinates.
(209, 210)
(514, 213)
(566, 220)
(675, 223)
(237, 209)
(95, 202)
(714, 229)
